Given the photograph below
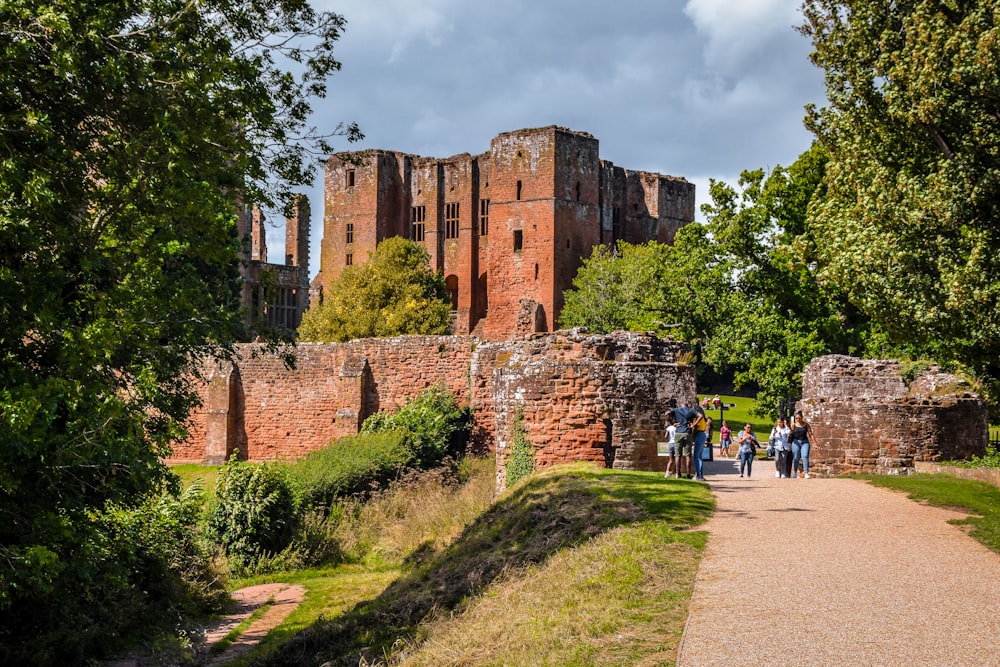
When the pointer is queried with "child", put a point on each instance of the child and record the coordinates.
(671, 449)
(725, 439)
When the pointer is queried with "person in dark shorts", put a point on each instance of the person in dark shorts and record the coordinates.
(683, 438)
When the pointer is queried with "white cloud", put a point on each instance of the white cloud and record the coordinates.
(737, 29)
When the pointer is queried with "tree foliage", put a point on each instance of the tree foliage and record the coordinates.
(394, 293)
(782, 316)
(128, 133)
(742, 289)
(908, 226)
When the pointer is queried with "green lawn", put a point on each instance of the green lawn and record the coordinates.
(189, 472)
(737, 416)
(575, 565)
(980, 499)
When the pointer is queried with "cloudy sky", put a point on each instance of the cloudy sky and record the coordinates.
(697, 88)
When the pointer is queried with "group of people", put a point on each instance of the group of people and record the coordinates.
(689, 431)
(791, 446)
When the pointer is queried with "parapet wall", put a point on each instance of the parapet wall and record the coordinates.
(867, 419)
(581, 397)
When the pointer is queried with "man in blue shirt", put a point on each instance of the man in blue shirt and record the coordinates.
(683, 438)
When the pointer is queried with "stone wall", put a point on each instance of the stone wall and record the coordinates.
(581, 397)
(267, 410)
(587, 398)
(867, 419)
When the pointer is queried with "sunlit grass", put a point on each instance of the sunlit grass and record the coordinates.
(980, 499)
(575, 565)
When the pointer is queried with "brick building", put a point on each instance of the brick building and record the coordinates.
(508, 228)
(275, 294)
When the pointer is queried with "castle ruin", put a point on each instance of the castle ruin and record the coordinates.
(508, 228)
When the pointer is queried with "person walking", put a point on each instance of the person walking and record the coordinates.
(780, 436)
(747, 448)
(700, 426)
(683, 417)
(671, 432)
(725, 439)
(802, 438)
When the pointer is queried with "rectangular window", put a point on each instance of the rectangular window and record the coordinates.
(350, 178)
(350, 232)
(484, 217)
(417, 216)
(451, 220)
(519, 191)
(518, 240)
(349, 260)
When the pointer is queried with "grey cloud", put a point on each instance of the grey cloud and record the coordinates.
(442, 77)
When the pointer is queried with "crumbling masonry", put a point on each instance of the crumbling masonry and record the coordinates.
(582, 397)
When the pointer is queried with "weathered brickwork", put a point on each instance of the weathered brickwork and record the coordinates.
(595, 398)
(267, 410)
(509, 228)
(866, 419)
(588, 398)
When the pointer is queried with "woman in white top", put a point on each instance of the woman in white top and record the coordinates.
(782, 448)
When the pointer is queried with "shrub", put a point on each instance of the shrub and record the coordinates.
(435, 425)
(255, 512)
(141, 570)
(521, 462)
(349, 466)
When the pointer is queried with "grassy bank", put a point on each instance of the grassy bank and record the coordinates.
(979, 499)
(577, 565)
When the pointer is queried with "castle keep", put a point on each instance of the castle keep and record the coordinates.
(509, 228)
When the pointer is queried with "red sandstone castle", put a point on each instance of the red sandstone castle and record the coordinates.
(509, 228)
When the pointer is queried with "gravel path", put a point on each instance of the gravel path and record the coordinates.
(837, 572)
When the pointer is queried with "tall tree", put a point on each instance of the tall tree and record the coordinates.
(909, 223)
(782, 316)
(394, 293)
(128, 131)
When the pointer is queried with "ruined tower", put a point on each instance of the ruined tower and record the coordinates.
(508, 228)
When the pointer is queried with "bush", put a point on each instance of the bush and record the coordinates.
(521, 462)
(255, 513)
(138, 572)
(350, 466)
(435, 425)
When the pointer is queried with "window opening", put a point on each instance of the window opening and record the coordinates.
(519, 191)
(578, 191)
(350, 178)
(484, 217)
(518, 240)
(349, 260)
(417, 216)
(451, 220)
(350, 232)
(536, 272)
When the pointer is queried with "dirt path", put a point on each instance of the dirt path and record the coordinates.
(282, 600)
(837, 572)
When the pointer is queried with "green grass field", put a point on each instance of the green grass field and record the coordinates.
(737, 416)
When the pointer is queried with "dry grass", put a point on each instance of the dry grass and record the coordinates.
(620, 599)
(574, 566)
(420, 514)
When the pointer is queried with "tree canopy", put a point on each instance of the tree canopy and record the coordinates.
(394, 293)
(742, 288)
(908, 225)
(129, 133)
